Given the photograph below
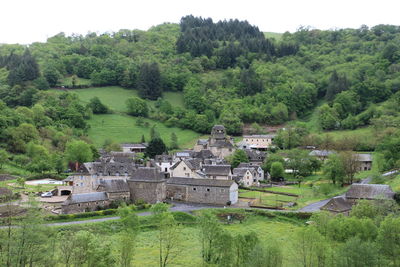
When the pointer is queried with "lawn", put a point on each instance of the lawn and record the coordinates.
(123, 129)
(308, 193)
(114, 97)
(12, 184)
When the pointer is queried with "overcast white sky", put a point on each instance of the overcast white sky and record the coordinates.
(27, 21)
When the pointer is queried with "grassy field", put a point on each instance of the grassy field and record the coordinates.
(279, 231)
(275, 35)
(123, 129)
(114, 97)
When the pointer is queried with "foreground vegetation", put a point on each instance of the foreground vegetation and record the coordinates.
(215, 237)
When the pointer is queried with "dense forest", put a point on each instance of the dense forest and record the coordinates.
(228, 72)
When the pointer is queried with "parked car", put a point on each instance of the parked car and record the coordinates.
(47, 194)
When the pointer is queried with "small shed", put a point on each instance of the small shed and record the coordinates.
(369, 192)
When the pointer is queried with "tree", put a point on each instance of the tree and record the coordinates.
(174, 141)
(137, 107)
(22, 135)
(78, 151)
(389, 239)
(277, 170)
(127, 237)
(271, 159)
(358, 253)
(350, 163)
(97, 107)
(4, 157)
(238, 157)
(149, 81)
(311, 248)
(155, 147)
(209, 231)
(333, 169)
(168, 234)
(270, 255)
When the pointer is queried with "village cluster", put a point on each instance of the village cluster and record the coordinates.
(200, 175)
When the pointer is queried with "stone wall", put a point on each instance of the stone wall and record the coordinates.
(119, 196)
(83, 207)
(150, 192)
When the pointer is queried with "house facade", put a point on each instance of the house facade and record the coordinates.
(364, 162)
(218, 172)
(189, 168)
(259, 142)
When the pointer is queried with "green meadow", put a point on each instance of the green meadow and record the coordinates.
(114, 97)
(123, 129)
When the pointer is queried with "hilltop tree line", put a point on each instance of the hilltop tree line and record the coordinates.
(228, 71)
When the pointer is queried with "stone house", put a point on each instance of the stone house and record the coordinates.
(219, 172)
(207, 191)
(187, 168)
(245, 176)
(364, 161)
(84, 202)
(147, 184)
(116, 189)
(369, 192)
(256, 167)
(258, 142)
(338, 205)
(255, 156)
(218, 143)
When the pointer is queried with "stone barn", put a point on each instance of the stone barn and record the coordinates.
(207, 191)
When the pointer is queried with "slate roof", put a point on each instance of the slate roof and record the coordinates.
(364, 157)
(164, 158)
(193, 164)
(200, 182)
(321, 153)
(261, 136)
(149, 174)
(87, 197)
(113, 186)
(141, 146)
(202, 142)
(217, 169)
(370, 191)
(110, 168)
(253, 165)
(240, 172)
(204, 154)
(337, 204)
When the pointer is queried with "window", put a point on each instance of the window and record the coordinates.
(222, 190)
(79, 205)
(166, 169)
(194, 189)
(208, 189)
(184, 168)
(187, 174)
